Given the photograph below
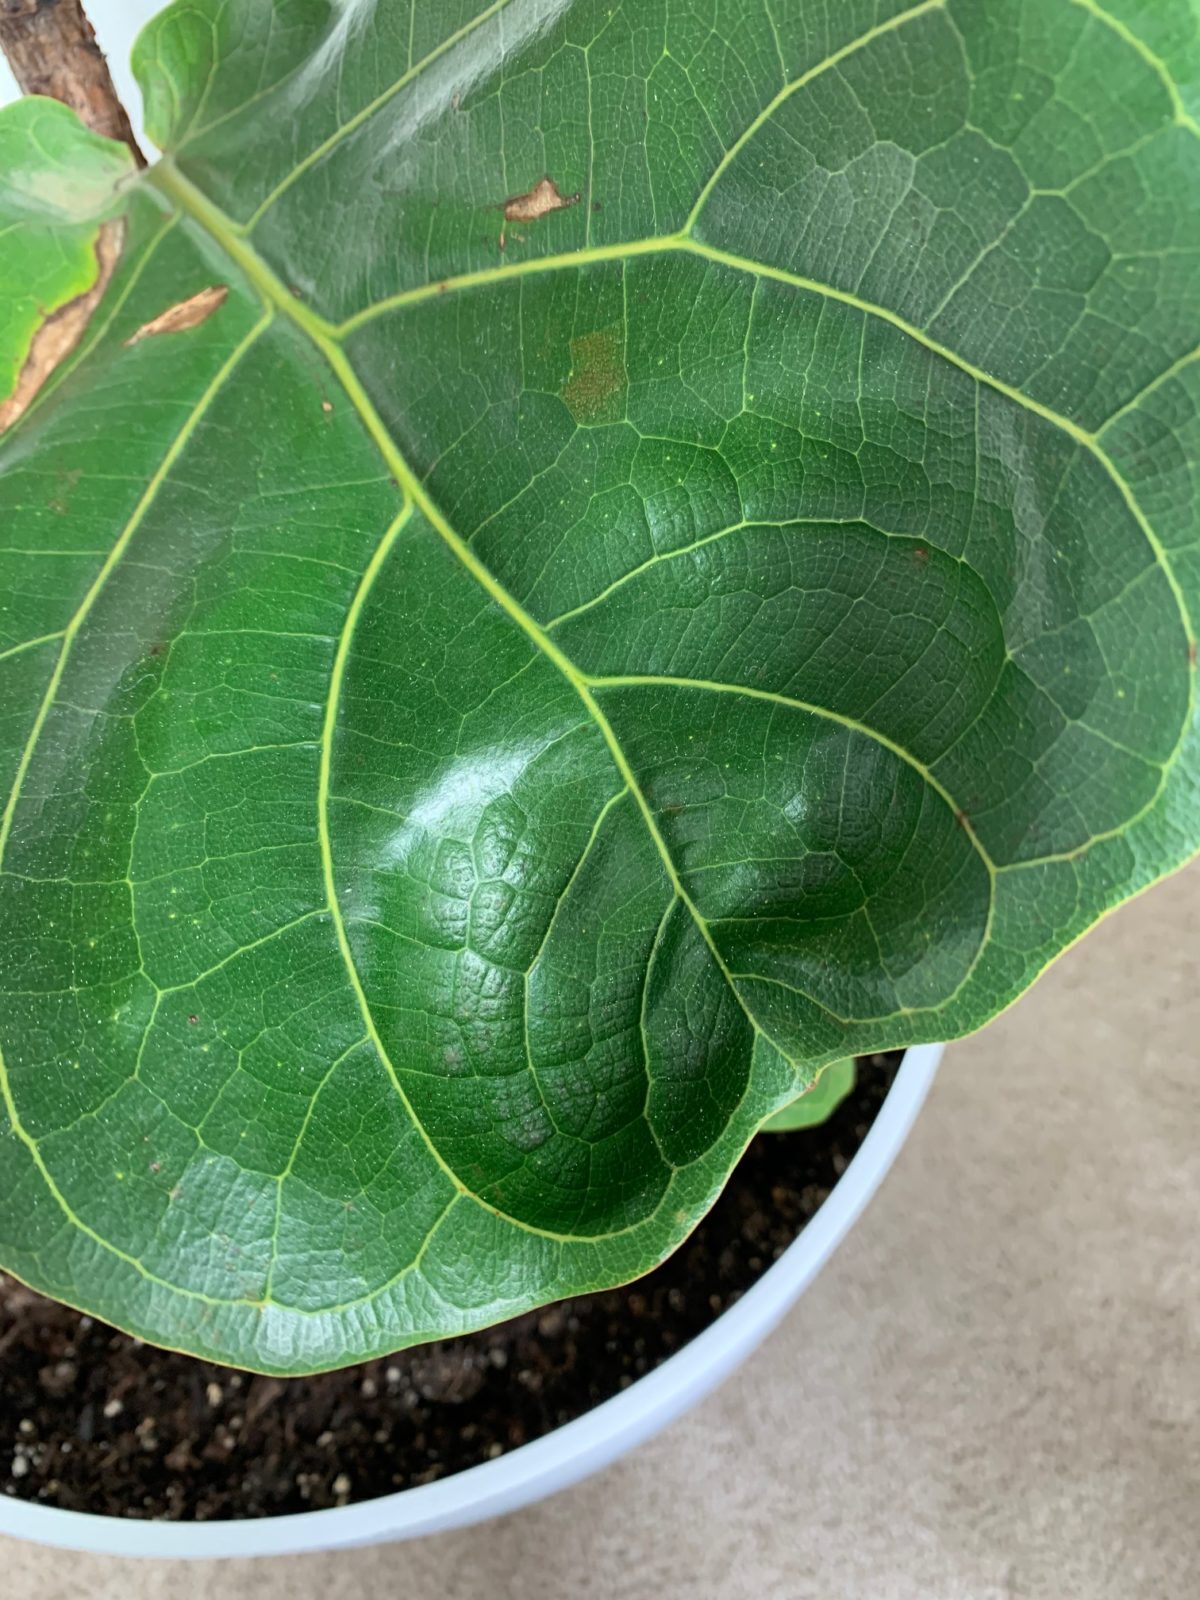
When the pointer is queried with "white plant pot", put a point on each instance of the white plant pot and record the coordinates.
(560, 1458)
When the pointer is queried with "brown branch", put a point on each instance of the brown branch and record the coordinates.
(52, 50)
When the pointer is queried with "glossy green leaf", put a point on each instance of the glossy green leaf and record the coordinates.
(816, 1105)
(497, 706)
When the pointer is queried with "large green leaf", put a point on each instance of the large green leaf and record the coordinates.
(496, 706)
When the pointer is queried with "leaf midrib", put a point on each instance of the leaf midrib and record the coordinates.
(230, 232)
(179, 189)
(328, 340)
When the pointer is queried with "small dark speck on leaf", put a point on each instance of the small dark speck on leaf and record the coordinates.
(1192, 652)
(193, 1019)
(596, 206)
(921, 555)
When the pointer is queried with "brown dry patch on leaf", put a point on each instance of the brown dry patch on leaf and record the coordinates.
(536, 202)
(596, 381)
(64, 328)
(188, 313)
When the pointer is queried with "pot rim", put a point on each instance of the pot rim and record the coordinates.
(556, 1460)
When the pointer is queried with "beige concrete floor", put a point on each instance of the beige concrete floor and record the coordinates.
(992, 1392)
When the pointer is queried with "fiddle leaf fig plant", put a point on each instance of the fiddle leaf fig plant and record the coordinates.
(563, 566)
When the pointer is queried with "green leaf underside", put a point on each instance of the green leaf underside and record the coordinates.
(816, 1105)
(484, 727)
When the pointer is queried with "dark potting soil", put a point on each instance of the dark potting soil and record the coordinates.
(93, 1420)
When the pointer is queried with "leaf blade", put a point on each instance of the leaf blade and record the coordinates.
(634, 673)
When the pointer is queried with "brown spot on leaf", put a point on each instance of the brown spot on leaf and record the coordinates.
(60, 503)
(1192, 652)
(189, 313)
(596, 381)
(536, 202)
(326, 406)
(63, 329)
